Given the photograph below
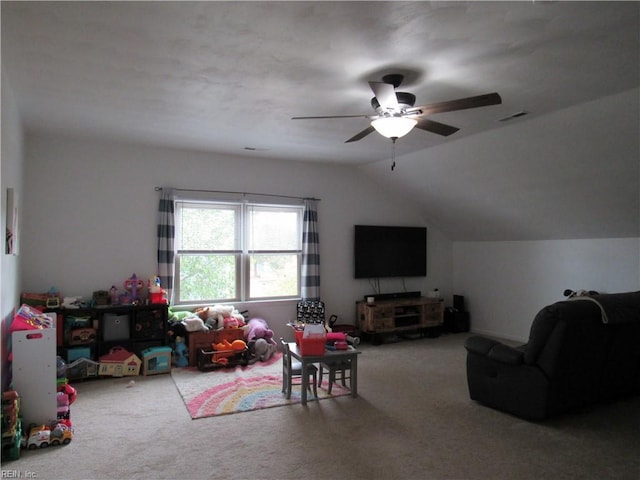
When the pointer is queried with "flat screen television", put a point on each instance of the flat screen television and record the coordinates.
(381, 251)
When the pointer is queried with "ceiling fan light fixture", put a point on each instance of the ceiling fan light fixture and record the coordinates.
(394, 127)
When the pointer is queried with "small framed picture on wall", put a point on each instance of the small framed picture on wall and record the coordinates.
(11, 223)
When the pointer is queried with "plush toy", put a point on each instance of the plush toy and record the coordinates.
(235, 346)
(210, 317)
(261, 350)
(258, 328)
(221, 312)
(177, 315)
(579, 293)
(71, 302)
(180, 353)
(194, 323)
(176, 329)
(232, 322)
(226, 349)
(227, 316)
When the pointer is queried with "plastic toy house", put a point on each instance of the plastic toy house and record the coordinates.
(156, 360)
(119, 363)
(82, 368)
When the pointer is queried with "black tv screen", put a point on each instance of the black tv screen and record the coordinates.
(381, 251)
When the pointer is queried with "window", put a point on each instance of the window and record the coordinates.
(237, 251)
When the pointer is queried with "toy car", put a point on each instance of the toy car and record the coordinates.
(39, 437)
(61, 433)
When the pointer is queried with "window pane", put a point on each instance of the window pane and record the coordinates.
(207, 277)
(274, 275)
(209, 228)
(274, 228)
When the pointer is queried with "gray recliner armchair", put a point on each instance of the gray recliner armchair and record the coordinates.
(580, 352)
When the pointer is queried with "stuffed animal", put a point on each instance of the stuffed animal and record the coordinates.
(177, 316)
(579, 293)
(224, 316)
(226, 349)
(258, 328)
(210, 317)
(236, 345)
(194, 324)
(261, 350)
(231, 322)
(180, 353)
(176, 329)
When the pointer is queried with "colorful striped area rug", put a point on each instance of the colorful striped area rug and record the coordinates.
(240, 389)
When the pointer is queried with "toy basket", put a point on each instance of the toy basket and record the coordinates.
(311, 339)
(209, 359)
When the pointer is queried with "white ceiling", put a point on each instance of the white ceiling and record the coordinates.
(228, 76)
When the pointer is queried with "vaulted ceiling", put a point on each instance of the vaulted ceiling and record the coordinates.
(227, 77)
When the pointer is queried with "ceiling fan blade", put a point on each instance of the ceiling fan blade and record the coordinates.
(385, 93)
(460, 104)
(436, 127)
(334, 116)
(361, 135)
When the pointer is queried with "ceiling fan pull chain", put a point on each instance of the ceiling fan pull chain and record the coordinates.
(393, 153)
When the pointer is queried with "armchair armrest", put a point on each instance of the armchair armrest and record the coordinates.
(494, 350)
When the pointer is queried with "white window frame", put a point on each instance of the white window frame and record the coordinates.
(242, 252)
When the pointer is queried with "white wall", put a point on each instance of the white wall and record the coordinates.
(10, 177)
(92, 216)
(506, 283)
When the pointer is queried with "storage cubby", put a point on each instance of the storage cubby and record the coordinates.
(92, 332)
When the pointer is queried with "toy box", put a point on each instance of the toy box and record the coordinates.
(311, 340)
(204, 340)
(312, 346)
(209, 359)
(115, 327)
(156, 360)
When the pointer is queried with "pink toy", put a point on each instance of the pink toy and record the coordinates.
(132, 285)
(336, 337)
(342, 337)
(258, 328)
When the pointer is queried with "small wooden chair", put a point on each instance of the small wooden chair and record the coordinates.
(293, 369)
(342, 366)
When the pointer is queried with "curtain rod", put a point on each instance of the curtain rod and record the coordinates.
(157, 189)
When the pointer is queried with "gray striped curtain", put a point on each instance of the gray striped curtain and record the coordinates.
(166, 235)
(310, 252)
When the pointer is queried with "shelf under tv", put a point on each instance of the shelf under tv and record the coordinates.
(391, 316)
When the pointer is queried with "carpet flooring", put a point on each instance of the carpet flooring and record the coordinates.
(413, 419)
(240, 389)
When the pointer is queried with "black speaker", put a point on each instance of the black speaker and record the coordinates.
(458, 302)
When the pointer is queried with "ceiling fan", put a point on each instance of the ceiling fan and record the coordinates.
(396, 115)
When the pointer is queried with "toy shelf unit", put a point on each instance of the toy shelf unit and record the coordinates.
(92, 332)
(421, 314)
